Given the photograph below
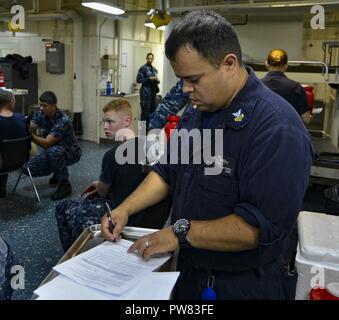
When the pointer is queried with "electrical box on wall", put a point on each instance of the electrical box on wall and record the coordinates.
(109, 62)
(55, 57)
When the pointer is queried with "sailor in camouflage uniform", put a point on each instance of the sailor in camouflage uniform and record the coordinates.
(74, 216)
(147, 76)
(61, 148)
(6, 262)
(171, 104)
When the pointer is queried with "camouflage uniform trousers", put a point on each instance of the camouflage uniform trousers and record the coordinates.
(73, 216)
(147, 102)
(55, 160)
(6, 262)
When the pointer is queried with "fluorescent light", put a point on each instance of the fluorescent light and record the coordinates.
(103, 7)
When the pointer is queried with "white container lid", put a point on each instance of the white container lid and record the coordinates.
(333, 288)
(319, 237)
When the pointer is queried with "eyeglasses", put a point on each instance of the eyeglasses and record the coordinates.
(108, 121)
(43, 105)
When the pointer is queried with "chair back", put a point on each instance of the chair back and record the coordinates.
(14, 153)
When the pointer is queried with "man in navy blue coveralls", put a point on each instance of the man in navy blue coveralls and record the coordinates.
(61, 148)
(290, 90)
(171, 104)
(148, 77)
(232, 227)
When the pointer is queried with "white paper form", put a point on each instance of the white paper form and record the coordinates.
(155, 286)
(109, 268)
(62, 288)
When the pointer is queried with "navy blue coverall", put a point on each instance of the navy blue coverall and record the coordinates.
(6, 263)
(171, 104)
(266, 163)
(59, 156)
(289, 89)
(147, 91)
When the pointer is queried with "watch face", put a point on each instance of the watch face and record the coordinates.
(181, 226)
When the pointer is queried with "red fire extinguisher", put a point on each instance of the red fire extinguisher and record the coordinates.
(331, 292)
(310, 96)
(172, 123)
(2, 79)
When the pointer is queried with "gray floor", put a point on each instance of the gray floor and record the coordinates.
(30, 228)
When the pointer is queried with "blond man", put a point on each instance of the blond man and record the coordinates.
(115, 183)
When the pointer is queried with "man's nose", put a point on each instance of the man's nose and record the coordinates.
(187, 88)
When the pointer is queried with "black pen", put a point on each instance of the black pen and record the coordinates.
(110, 223)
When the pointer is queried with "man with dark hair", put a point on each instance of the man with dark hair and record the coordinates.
(231, 223)
(61, 148)
(290, 90)
(148, 77)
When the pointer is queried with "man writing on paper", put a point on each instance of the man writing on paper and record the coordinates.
(232, 227)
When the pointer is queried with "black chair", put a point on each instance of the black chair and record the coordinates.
(14, 155)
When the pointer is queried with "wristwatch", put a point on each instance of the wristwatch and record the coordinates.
(181, 228)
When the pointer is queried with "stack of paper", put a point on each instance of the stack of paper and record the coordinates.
(109, 272)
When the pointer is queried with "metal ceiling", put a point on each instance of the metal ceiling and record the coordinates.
(179, 6)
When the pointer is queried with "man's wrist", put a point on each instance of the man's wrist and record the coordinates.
(175, 238)
(127, 208)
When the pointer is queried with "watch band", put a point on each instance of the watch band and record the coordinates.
(183, 242)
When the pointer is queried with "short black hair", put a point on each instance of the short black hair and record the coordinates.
(49, 97)
(149, 54)
(207, 32)
(6, 97)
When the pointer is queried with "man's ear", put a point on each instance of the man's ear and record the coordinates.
(128, 120)
(230, 61)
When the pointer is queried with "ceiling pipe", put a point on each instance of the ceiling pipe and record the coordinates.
(47, 16)
(78, 101)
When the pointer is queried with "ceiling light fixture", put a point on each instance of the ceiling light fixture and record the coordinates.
(158, 19)
(103, 6)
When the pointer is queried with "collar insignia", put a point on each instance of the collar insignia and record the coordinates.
(238, 116)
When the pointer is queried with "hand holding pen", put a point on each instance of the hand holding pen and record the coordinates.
(108, 214)
(113, 223)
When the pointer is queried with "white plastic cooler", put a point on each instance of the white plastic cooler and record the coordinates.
(317, 259)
